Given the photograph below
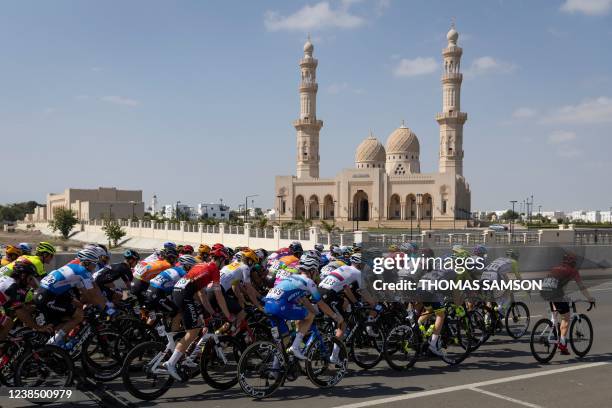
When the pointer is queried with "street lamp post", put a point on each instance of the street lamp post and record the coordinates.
(454, 219)
(512, 216)
(246, 205)
(176, 213)
(110, 208)
(419, 204)
(411, 212)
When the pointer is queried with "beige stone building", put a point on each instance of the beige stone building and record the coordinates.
(90, 204)
(386, 187)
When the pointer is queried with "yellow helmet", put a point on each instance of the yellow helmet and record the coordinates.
(203, 249)
(249, 254)
(13, 250)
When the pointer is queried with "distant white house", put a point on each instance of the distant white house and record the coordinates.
(213, 210)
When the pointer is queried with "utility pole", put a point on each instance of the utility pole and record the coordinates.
(512, 216)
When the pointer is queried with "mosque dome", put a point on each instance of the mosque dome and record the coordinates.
(402, 141)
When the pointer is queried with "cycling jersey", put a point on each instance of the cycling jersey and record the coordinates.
(145, 271)
(11, 294)
(152, 258)
(234, 273)
(166, 279)
(201, 275)
(292, 289)
(330, 267)
(342, 277)
(67, 277)
(502, 267)
(33, 259)
(111, 273)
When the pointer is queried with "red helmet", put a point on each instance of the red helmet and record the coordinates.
(218, 253)
(218, 246)
(187, 249)
(569, 259)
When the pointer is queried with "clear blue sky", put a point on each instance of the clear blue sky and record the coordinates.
(193, 100)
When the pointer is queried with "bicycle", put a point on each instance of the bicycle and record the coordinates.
(491, 319)
(26, 361)
(545, 334)
(144, 377)
(265, 365)
(406, 342)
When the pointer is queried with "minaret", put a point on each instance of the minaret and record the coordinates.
(451, 119)
(307, 125)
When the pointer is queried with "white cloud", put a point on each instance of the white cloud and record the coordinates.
(317, 16)
(120, 100)
(489, 65)
(414, 67)
(524, 113)
(589, 111)
(588, 7)
(561, 136)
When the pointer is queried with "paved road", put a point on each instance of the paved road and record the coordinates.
(502, 373)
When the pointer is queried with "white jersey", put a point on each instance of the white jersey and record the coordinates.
(234, 273)
(151, 258)
(342, 277)
(500, 267)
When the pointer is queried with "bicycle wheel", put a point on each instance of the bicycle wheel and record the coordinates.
(478, 329)
(455, 340)
(319, 369)
(544, 340)
(142, 373)
(262, 368)
(102, 355)
(400, 348)
(365, 349)
(581, 335)
(45, 366)
(517, 320)
(219, 362)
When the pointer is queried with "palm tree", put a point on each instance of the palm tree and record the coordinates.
(304, 224)
(329, 227)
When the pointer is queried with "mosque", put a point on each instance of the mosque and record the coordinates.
(386, 188)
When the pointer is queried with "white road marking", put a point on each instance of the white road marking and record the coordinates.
(504, 397)
(428, 393)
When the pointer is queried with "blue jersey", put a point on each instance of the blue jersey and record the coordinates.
(167, 278)
(293, 288)
(69, 276)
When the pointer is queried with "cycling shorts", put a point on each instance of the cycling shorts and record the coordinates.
(562, 307)
(284, 310)
(54, 307)
(158, 300)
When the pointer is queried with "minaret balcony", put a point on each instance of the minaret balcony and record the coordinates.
(452, 116)
(452, 77)
(308, 85)
(308, 123)
(309, 62)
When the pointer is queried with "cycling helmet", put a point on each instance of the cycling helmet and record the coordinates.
(261, 253)
(187, 261)
(103, 251)
(570, 259)
(179, 248)
(216, 246)
(356, 259)
(296, 247)
(170, 252)
(308, 263)
(26, 249)
(427, 253)
(406, 247)
(131, 254)
(204, 249)
(249, 254)
(13, 250)
(218, 253)
(393, 248)
(319, 247)
(512, 253)
(238, 256)
(479, 250)
(188, 249)
(45, 248)
(460, 252)
(414, 245)
(229, 252)
(23, 269)
(345, 251)
(88, 255)
(169, 244)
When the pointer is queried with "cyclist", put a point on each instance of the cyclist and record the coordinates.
(289, 300)
(55, 300)
(11, 254)
(145, 271)
(553, 289)
(158, 296)
(188, 293)
(105, 278)
(236, 277)
(44, 254)
(203, 253)
(158, 253)
(13, 293)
